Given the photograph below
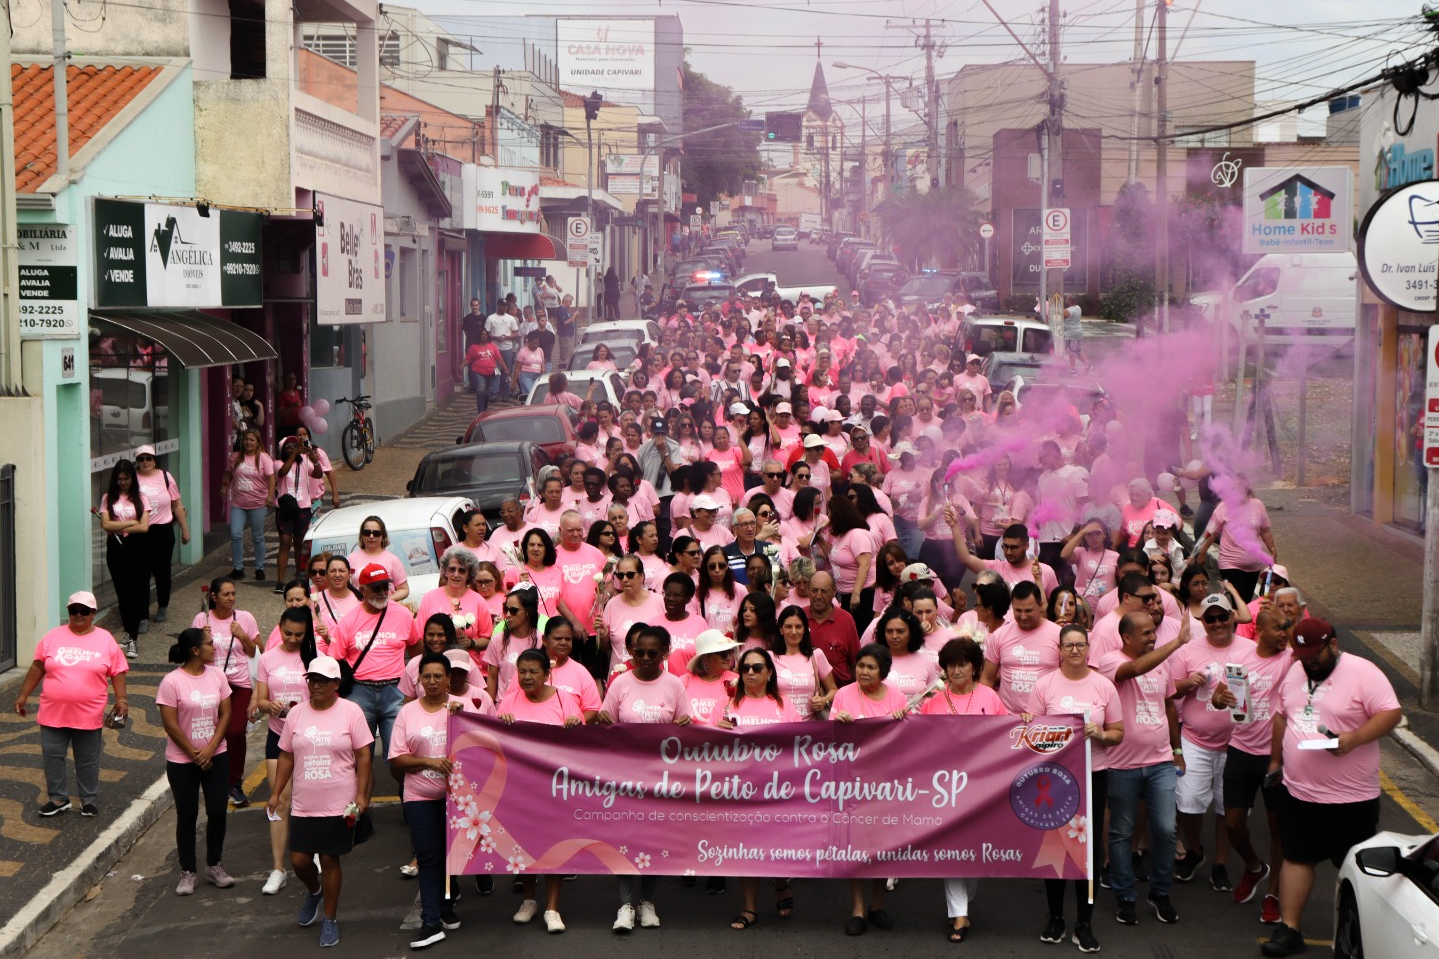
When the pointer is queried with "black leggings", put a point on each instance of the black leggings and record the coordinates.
(1054, 888)
(160, 547)
(125, 556)
(1242, 580)
(187, 782)
(862, 613)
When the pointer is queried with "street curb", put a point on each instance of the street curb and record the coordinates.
(1422, 752)
(69, 885)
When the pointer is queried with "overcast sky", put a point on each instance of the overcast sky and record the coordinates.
(764, 49)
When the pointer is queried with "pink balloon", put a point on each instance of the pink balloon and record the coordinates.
(319, 427)
(306, 412)
(321, 407)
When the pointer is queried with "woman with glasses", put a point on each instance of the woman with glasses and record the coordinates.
(373, 548)
(279, 685)
(685, 555)
(805, 677)
(456, 599)
(633, 604)
(323, 735)
(167, 511)
(644, 694)
(518, 631)
(1075, 689)
(718, 595)
(709, 680)
(336, 600)
(539, 569)
(489, 583)
(602, 537)
(124, 515)
(808, 522)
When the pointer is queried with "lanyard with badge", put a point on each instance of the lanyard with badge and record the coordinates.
(1310, 713)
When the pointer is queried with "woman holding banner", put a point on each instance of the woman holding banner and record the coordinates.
(645, 694)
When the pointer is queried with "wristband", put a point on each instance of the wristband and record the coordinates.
(1177, 752)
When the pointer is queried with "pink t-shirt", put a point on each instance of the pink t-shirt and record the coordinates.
(1146, 724)
(716, 535)
(662, 700)
(844, 554)
(1136, 519)
(284, 676)
(548, 581)
(574, 679)
(125, 509)
(230, 655)
(934, 642)
(1023, 574)
(1024, 658)
(1266, 677)
(912, 673)
(359, 559)
(572, 400)
(800, 678)
(1058, 695)
(731, 464)
(77, 670)
(502, 538)
(1239, 534)
(1093, 572)
(419, 732)
(906, 488)
(196, 700)
(709, 697)
(386, 659)
(529, 360)
(333, 609)
(324, 743)
(720, 610)
(1204, 723)
(851, 699)
(1352, 694)
(782, 498)
(501, 654)
(1105, 638)
(619, 616)
(578, 569)
(159, 493)
(981, 701)
(471, 604)
(761, 711)
(592, 512)
(542, 517)
(682, 639)
(250, 481)
(552, 712)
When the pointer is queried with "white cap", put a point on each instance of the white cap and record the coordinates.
(813, 441)
(1212, 600)
(902, 448)
(783, 408)
(832, 416)
(459, 659)
(704, 501)
(83, 598)
(326, 666)
(738, 409)
(818, 413)
(915, 572)
(783, 361)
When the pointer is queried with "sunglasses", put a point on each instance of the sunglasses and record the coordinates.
(693, 552)
(312, 679)
(646, 654)
(511, 610)
(143, 459)
(487, 581)
(803, 476)
(752, 667)
(775, 475)
(317, 572)
(372, 532)
(456, 569)
(626, 574)
(1215, 620)
(1147, 597)
(717, 566)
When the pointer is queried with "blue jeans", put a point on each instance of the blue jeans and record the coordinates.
(486, 387)
(239, 519)
(380, 704)
(910, 536)
(527, 380)
(509, 356)
(427, 837)
(1155, 785)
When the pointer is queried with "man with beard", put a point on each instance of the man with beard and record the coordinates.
(1347, 703)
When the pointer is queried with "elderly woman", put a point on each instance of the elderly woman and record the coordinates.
(76, 661)
(457, 599)
(329, 734)
(1139, 512)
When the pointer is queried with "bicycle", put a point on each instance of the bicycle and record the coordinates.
(357, 442)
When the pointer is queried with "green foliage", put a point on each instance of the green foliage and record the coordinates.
(1129, 300)
(1020, 303)
(1131, 251)
(715, 164)
(939, 228)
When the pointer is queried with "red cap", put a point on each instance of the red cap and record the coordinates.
(372, 574)
(1311, 636)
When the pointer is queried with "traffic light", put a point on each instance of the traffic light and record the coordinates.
(592, 105)
(782, 127)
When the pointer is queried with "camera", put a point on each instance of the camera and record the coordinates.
(309, 446)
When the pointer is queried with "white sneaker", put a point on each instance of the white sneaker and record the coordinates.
(649, 919)
(130, 651)
(275, 883)
(553, 922)
(526, 912)
(624, 919)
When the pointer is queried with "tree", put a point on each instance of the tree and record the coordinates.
(1131, 256)
(715, 164)
(938, 228)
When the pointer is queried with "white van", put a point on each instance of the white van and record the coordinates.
(1307, 297)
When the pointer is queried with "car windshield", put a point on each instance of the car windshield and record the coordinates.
(470, 468)
(415, 547)
(623, 354)
(536, 429)
(611, 335)
(702, 294)
(1004, 338)
(931, 284)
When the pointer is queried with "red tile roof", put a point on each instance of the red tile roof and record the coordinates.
(95, 96)
(392, 123)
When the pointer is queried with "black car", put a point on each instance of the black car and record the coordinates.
(684, 270)
(882, 281)
(697, 295)
(488, 473)
(929, 288)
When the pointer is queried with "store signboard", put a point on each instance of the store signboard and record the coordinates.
(48, 281)
(614, 56)
(176, 256)
(349, 261)
(1399, 247)
(507, 200)
(1298, 209)
(1431, 400)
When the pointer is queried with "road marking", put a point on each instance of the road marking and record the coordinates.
(1405, 803)
(1322, 943)
(9, 867)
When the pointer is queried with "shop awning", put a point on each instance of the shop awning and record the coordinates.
(570, 194)
(523, 246)
(195, 340)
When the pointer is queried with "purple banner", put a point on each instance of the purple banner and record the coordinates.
(927, 796)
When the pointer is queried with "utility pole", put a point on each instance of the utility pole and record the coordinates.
(931, 49)
(1135, 92)
(592, 110)
(1161, 164)
(863, 167)
(1052, 280)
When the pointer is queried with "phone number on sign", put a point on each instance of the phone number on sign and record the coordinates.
(35, 309)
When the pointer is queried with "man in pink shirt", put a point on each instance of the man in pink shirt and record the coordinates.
(783, 432)
(1016, 567)
(579, 564)
(513, 529)
(1144, 766)
(972, 379)
(1337, 698)
(773, 474)
(1136, 595)
(1204, 702)
(373, 638)
(1021, 653)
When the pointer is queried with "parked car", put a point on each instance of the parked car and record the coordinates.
(615, 332)
(552, 427)
(929, 287)
(980, 290)
(1307, 297)
(623, 354)
(884, 280)
(848, 250)
(865, 261)
(1387, 900)
(1003, 368)
(731, 246)
(753, 284)
(1005, 334)
(785, 238)
(698, 294)
(685, 270)
(612, 386)
(487, 473)
(766, 231)
(835, 239)
(134, 406)
(420, 529)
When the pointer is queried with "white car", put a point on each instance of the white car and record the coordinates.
(785, 238)
(420, 530)
(1387, 900)
(612, 386)
(618, 331)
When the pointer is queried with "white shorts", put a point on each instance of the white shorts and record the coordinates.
(1201, 788)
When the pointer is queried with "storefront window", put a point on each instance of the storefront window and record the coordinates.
(1411, 477)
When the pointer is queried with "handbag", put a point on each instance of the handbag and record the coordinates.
(347, 672)
(364, 829)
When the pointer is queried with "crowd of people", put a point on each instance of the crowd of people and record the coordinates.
(799, 513)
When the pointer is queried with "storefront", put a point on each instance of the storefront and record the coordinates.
(503, 206)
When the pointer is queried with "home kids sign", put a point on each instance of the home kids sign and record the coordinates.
(925, 796)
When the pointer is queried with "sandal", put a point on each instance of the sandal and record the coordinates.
(957, 935)
(740, 923)
(785, 904)
(409, 870)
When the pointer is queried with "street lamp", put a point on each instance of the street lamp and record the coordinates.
(593, 102)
